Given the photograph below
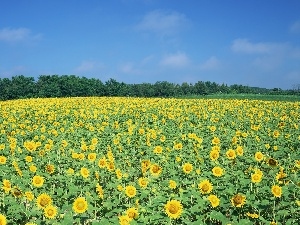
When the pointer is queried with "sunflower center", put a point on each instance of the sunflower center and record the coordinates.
(238, 199)
(173, 209)
(205, 188)
(80, 205)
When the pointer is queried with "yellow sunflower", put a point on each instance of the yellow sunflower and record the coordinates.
(215, 141)
(187, 168)
(102, 162)
(92, 157)
(43, 200)
(155, 170)
(205, 187)
(143, 182)
(80, 205)
(37, 181)
(238, 200)
(173, 209)
(132, 213)
(158, 150)
(231, 154)
(124, 220)
(217, 171)
(130, 191)
(2, 160)
(2, 220)
(84, 172)
(172, 184)
(256, 177)
(50, 168)
(214, 155)
(276, 191)
(214, 200)
(50, 211)
(258, 156)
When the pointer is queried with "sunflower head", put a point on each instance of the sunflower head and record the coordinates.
(205, 187)
(272, 162)
(43, 200)
(276, 191)
(238, 200)
(217, 171)
(173, 209)
(130, 191)
(80, 205)
(50, 211)
(187, 168)
(214, 200)
(132, 213)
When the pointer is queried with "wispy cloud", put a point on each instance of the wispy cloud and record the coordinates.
(175, 60)
(89, 66)
(295, 27)
(162, 22)
(245, 46)
(211, 64)
(17, 35)
(129, 68)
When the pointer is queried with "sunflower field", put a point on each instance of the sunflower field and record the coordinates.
(100, 160)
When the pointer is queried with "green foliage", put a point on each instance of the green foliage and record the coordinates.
(48, 86)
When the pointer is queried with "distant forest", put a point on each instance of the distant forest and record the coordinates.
(73, 86)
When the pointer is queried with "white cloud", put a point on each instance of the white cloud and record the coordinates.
(295, 27)
(16, 35)
(89, 66)
(175, 60)
(244, 46)
(129, 68)
(162, 22)
(210, 64)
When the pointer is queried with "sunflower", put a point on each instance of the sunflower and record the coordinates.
(145, 164)
(230, 154)
(173, 209)
(172, 184)
(92, 157)
(205, 187)
(258, 156)
(80, 205)
(187, 168)
(2, 160)
(102, 162)
(130, 191)
(6, 186)
(252, 215)
(217, 171)
(99, 191)
(2, 220)
(32, 168)
(276, 191)
(132, 213)
(37, 181)
(50, 211)
(43, 200)
(215, 141)
(30, 223)
(214, 154)
(158, 150)
(16, 192)
(84, 172)
(155, 170)
(28, 158)
(119, 173)
(238, 200)
(143, 182)
(50, 168)
(214, 200)
(256, 177)
(239, 150)
(29, 195)
(124, 220)
(272, 162)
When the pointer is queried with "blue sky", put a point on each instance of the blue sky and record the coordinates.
(249, 42)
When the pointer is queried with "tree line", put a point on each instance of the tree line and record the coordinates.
(73, 86)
